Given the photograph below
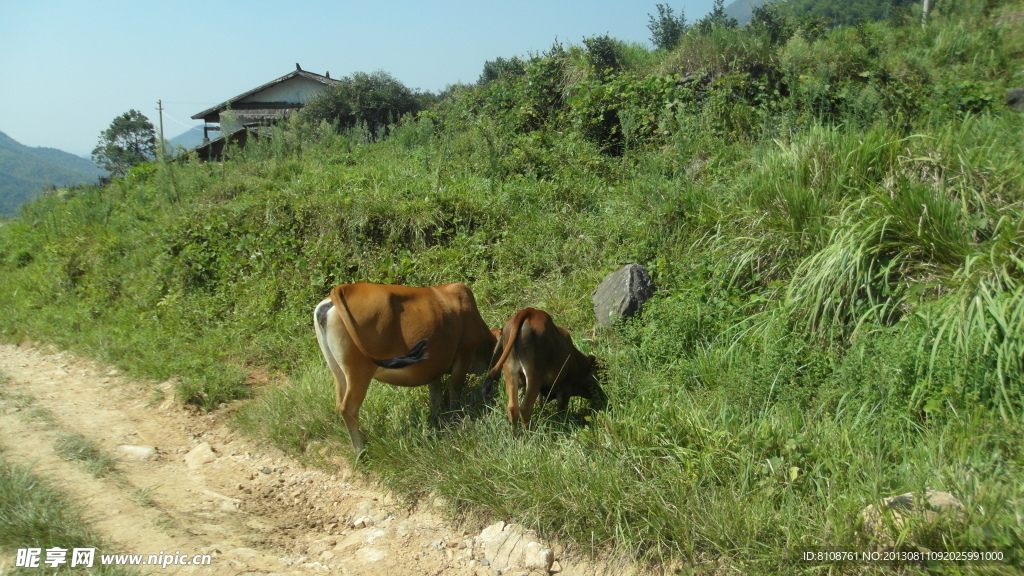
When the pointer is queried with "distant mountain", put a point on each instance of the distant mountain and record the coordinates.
(27, 171)
(742, 10)
(189, 139)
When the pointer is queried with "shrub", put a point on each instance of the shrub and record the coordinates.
(501, 67)
(770, 20)
(374, 100)
(667, 28)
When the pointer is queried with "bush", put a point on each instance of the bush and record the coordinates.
(667, 28)
(375, 101)
(501, 67)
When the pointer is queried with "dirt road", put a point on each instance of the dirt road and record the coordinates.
(252, 509)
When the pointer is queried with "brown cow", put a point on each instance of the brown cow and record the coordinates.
(401, 335)
(540, 354)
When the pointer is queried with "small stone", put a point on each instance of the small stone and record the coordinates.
(139, 452)
(201, 454)
(1015, 98)
(537, 557)
(362, 522)
(226, 503)
(925, 510)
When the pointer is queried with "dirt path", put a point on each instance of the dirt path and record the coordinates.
(253, 509)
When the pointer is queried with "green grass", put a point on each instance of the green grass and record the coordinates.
(833, 224)
(78, 448)
(34, 514)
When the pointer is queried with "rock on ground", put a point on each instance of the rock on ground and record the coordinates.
(622, 294)
(201, 454)
(894, 513)
(1015, 98)
(508, 547)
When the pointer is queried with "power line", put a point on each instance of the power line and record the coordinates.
(193, 125)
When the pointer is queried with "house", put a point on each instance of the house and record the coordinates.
(238, 118)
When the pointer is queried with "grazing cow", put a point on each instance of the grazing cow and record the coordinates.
(539, 354)
(401, 335)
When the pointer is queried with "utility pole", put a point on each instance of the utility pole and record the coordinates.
(160, 107)
(924, 13)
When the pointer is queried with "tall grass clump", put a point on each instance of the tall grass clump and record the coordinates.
(889, 245)
(801, 188)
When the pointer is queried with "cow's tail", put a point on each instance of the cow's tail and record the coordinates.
(517, 323)
(415, 355)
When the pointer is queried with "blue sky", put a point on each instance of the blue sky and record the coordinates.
(67, 68)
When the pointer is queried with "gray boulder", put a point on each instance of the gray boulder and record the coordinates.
(1015, 98)
(622, 294)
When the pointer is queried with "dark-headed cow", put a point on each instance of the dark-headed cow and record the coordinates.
(539, 355)
(401, 335)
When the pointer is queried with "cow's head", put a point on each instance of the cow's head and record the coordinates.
(591, 384)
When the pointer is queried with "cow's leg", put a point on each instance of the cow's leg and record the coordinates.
(355, 393)
(436, 398)
(340, 382)
(529, 398)
(457, 381)
(513, 379)
(563, 400)
(321, 327)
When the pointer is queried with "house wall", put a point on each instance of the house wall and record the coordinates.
(296, 90)
(279, 100)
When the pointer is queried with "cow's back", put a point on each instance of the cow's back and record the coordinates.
(392, 318)
(539, 348)
(389, 318)
(474, 332)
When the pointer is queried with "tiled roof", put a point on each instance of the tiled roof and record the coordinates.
(325, 80)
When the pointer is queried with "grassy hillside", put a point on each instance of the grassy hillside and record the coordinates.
(25, 172)
(832, 218)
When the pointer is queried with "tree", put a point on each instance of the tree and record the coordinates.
(130, 140)
(771, 21)
(375, 100)
(717, 18)
(847, 12)
(499, 67)
(667, 28)
(604, 55)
